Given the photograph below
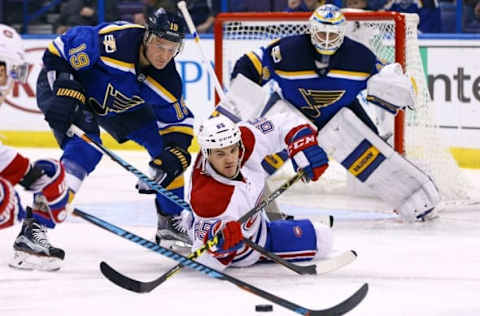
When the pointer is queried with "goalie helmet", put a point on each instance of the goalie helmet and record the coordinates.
(166, 25)
(12, 55)
(218, 132)
(327, 29)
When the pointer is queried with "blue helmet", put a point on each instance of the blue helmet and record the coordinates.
(327, 29)
(165, 25)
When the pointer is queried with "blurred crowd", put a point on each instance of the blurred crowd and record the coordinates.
(435, 16)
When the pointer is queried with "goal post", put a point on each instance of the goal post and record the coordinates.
(393, 37)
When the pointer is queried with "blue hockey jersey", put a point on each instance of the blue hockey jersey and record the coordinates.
(318, 94)
(104, 59)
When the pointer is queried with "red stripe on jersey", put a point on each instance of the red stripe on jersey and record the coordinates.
(209, 198)
(16, 170)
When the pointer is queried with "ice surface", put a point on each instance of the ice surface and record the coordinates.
(422, 269)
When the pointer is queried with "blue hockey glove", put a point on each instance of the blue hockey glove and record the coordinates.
(305, 153)
(171, 163)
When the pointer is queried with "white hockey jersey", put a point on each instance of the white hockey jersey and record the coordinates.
(13, 166)
(214, 197)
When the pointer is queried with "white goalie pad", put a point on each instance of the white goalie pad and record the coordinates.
(245, 99)
(373, 162)
(391, 89)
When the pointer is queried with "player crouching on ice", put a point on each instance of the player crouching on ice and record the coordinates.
(228, 180)
(46, 179)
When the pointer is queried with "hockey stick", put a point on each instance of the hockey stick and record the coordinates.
(180, 202)
(235, 117)
(143, 287)
(74, 130)
(339, 309)
(322, 267)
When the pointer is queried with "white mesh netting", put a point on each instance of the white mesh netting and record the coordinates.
(422, 144)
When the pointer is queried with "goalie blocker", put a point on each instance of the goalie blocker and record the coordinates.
(390, 176)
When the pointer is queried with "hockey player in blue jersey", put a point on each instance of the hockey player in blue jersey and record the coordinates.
(122, 77)
(320, 74)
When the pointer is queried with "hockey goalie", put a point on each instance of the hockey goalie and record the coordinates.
(320, 75)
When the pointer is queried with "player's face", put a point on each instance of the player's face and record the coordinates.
(226, 161)
(160, 51)
(3, 75)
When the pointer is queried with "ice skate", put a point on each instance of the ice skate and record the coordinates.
(170, 232)
(33, 250)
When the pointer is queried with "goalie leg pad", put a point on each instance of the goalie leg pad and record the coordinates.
(389, 176)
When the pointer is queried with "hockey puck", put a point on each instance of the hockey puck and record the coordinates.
(264, 308)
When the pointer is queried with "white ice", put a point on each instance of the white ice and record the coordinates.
(422, 269)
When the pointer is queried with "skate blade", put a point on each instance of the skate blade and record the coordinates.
(25, 261)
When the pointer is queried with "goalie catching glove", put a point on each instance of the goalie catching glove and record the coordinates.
(164, 168)
(305, 153)
(391, 89)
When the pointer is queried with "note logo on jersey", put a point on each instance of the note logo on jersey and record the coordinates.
(276, 55)
(110, 43)
(115, 101)
(317, 99)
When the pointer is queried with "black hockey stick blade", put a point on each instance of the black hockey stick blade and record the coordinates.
(124, 281)
(338, 309)
(345, 306)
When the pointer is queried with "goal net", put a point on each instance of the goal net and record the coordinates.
(393, 38)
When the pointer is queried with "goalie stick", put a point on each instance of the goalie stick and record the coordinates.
(339, 309)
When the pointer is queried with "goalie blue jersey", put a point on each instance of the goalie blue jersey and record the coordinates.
(317, 93)
(104, 59)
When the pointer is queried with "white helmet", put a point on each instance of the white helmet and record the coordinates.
(217, 132)
(12, 54)
(327, 29)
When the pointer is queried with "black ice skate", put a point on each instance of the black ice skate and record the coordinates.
(170, 233)
(33, 251)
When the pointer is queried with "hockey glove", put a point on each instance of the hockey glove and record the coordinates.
(230, 237)
(10, 207)
(51, 193)
(305, 153)
(69, 96)
(167, 166)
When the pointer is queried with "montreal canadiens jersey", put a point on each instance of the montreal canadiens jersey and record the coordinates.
(318, 94)
(104, 60)
(214, 197)
(13, 166)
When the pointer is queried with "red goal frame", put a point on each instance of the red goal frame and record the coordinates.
(400, 45)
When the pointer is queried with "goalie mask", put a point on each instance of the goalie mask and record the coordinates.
(327, 29)
(167, 26)
(12, 57)
(216, 133)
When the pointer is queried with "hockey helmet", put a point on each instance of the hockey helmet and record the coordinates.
(166, 25)
(12, 54)
(218, 132)
(327, 29)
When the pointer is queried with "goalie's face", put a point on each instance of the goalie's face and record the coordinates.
(327, 29)
(226, 161)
